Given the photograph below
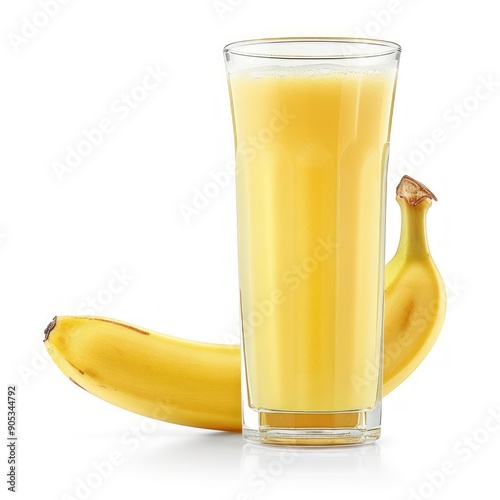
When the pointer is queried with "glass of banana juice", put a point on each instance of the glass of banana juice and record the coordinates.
(311, 120)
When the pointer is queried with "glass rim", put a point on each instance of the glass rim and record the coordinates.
(238, 48)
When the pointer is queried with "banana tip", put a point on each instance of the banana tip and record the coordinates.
(49, 328)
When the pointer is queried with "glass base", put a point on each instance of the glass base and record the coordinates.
(312, 429)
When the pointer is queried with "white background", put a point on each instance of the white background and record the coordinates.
(61, 240)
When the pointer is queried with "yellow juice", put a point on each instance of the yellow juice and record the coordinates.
(311, 148)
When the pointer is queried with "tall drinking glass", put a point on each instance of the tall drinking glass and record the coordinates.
(311, 119)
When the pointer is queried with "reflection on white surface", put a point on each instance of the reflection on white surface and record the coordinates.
(263, 468)
(342, 462)
(186, 450)
(215, 454)
(226, 467)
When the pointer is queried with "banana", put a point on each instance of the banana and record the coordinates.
(179, 381)
(198, 384)
(415, 296)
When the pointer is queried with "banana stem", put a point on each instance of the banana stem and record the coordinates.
(414, 199)
(413, 238)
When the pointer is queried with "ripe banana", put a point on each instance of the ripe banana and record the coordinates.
(415, 296)
(198, 384)
(162, 377)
